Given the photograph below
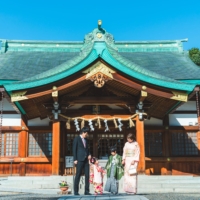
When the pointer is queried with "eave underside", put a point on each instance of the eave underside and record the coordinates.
(84, 93)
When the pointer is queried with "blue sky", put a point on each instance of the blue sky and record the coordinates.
(70, 20)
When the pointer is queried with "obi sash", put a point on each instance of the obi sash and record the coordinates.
(130, 153)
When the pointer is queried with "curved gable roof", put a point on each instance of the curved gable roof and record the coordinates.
(109, 55)
(146, 64)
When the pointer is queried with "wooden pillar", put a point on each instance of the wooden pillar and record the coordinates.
(140, 140)
(166, 146)
(22, 152)
(56, 148)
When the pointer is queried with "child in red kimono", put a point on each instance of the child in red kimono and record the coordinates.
(96, 175)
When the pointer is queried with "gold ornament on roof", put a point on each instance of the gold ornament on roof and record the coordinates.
(180, 96)
(99, 35)
(99, 74)
(99, 22)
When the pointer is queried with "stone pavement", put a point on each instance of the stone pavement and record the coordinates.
(105, 197)
(158, 196)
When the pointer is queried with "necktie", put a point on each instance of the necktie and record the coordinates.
(83, 141)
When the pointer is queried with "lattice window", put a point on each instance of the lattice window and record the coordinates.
(105, 141)
(70, 139)
(2, 145)
(184, 143)
(153, 144)
(40, 144)
(9, 145)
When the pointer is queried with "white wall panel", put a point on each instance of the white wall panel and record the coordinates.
(38, 122)
(7, 106)
(153, 122)
(190, 105)
(182, 119)
(11, 120)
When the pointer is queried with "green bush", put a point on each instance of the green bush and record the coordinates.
(194, 54)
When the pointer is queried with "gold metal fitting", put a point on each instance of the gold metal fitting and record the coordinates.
(99, 22)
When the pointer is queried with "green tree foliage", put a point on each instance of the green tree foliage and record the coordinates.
(194, 54)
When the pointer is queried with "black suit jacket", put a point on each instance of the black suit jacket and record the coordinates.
(80, 152)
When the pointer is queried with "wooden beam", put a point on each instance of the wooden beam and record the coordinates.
(140, 140)
(38, 94)
(56, 148)
(7, 112)
(11, 128)
(93, 100)
(27, 159)
(138, 86)
(75, 112)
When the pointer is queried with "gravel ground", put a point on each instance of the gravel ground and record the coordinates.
(23, 196)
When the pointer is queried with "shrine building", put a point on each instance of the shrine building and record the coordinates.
(50, 89)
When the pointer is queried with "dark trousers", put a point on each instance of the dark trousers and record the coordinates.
(79, 167)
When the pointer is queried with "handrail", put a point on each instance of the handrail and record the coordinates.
(8, 160)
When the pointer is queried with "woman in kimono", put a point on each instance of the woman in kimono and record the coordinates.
(131, 155)
(114, 171)
(96, 175)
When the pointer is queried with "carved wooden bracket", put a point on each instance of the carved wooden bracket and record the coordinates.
(99, 74)
(99, 79)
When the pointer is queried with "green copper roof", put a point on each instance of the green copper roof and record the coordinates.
(38, 63)
(99, 49)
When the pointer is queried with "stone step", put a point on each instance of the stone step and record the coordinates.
(31, 182)
(31, 190)
(40, 178)
(169, 185)
(35, 186)
(167, 190)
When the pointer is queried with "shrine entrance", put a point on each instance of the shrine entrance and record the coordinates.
(99, 142)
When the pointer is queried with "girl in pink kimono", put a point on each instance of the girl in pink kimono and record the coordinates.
(131, 155)
(96, 175)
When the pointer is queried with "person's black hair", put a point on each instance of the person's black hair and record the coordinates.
(93, 160)
(84, 130)
(113, 149)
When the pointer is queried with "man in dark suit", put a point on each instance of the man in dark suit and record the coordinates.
(81, 155)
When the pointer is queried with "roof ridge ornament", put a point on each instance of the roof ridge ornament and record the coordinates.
(99, 34)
